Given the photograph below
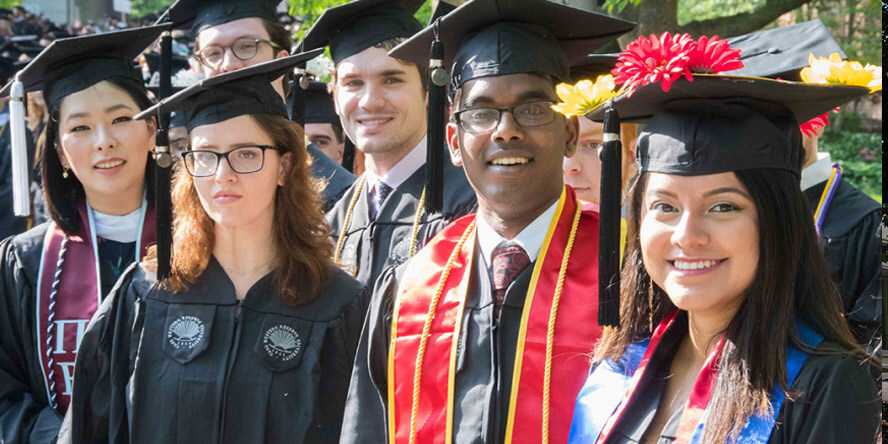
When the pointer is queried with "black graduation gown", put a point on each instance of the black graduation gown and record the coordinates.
(371, 247)
(25, 414)
(159, 367)
(336, 178)
(836, 402)
(484, 363)
(850, 239)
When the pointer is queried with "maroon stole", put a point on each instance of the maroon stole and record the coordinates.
(558, 332)
(77, 299)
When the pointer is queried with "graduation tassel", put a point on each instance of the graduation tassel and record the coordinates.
(296, 99)
(438, 79)
(20, 178)
(163, 205)
(348, 155)
(609, 241)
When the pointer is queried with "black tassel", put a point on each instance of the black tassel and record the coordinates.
(609, 241)
(348, 155)
(296, 99)
(438, 79)
(162, 198)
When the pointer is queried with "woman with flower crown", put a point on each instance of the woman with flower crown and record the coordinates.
(730, 329)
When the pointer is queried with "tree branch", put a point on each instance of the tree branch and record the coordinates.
(744, 22)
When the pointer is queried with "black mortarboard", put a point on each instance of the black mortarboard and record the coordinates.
(355, 26)
(499, 37)
(177, 120)
(72, 64)
(319, 104)
(713, 124)
(783, 52)
(202, 14)
(178, 62)
(65, 67)
(592, 66)
(243, 92)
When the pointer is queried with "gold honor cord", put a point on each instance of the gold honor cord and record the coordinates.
(427, 327)
(414, 232)
(550, 328)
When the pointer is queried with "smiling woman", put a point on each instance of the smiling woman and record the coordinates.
(96, 170)
(731, 329)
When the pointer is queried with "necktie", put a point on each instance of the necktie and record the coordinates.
(509, 260)
(378, 193)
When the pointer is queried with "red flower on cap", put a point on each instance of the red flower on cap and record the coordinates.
(666, 59)
(712, 55)
(813, 126)
(654, 60)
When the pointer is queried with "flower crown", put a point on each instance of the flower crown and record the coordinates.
(650, 59)
(667, 58)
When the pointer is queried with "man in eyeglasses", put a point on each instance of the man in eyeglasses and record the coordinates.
(235, 34)
(484, 335)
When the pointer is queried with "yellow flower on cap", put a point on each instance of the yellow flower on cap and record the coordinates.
(833, 70)
(584, 96)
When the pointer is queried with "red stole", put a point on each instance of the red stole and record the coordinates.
(427, 294)
(77, 299)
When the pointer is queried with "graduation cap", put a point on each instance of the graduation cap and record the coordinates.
(783, 52)
(319, 104)
(202, 14)
(499, 37)
(246, 91)
(592, 66)
(65, 67)
(355, 26)
(178, 62)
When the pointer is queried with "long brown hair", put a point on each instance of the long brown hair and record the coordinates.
(791, 282)
(300, 232)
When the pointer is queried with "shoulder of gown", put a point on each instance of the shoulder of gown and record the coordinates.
(834, 399)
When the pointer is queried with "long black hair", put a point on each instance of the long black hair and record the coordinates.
(64, 196)
(791, 282)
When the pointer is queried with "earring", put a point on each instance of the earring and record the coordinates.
(65, 173)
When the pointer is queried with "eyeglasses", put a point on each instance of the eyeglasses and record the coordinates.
(484, 120)
(242, 160)
(244, 48)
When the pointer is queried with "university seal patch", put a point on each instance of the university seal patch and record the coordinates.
(282, 342)
(186, 332)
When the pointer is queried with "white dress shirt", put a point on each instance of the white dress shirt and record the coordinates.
(402, 170)
(530, 238)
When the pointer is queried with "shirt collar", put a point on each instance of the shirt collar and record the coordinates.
(402, 170)
(530, 238)
(817, 172)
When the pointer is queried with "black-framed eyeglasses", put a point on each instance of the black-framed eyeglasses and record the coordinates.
(244, 48)
(242, 160)
(484, 120)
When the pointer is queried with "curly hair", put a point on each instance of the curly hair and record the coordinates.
(304, 257)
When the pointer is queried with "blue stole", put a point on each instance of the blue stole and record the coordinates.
(605, 389)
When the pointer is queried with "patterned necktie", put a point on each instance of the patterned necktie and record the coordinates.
(509, 260)
(377, 195)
